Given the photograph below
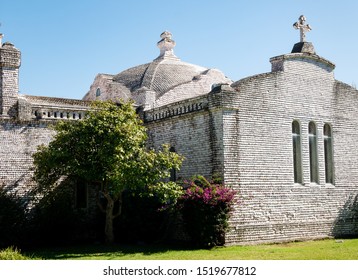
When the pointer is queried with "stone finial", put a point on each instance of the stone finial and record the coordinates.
(166, 45)
(300, 24)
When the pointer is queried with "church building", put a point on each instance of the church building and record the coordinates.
(285, 140)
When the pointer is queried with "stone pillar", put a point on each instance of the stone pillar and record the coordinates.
(10, 58)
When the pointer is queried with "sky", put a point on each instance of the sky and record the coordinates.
(65, 44)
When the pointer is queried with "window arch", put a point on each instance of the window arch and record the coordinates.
(328, 153)
(98, 92)
(297, 155)
(312, 139)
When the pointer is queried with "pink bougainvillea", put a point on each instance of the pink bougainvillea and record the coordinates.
(206, 207)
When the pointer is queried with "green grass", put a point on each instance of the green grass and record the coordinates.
(12, 253)
(328, 249)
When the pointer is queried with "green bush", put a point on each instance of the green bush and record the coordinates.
(12, 253)
(205, 208)
(12, 217)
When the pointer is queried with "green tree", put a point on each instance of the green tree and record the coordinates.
(107, 147)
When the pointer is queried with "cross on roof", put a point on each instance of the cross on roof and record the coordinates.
(300, 24)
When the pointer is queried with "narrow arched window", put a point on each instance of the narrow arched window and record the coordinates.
(98, 92)
(312, 137)
(297, 158)
(173, 171)
(328, 153)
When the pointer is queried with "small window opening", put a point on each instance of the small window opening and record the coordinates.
(328, 153)
(297, 155)
(312, 135)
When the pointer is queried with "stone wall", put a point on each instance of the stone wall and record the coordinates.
(273, 208)
(9, 79)
(18, 141)
(185, 127)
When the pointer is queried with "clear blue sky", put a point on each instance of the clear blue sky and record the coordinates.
(65, 43)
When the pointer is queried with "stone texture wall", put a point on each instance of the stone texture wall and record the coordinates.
(108, 89)
(187, 130)
(18, 141)
(273, 208)
(245, 135)
(9, 79)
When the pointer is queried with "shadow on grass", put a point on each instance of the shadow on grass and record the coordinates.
(98, 251)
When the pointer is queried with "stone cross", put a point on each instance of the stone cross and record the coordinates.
(300, 24)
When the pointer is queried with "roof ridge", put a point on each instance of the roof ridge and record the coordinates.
(149, 74)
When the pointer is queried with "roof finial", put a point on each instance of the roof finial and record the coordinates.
(300, 24)
(166, 45)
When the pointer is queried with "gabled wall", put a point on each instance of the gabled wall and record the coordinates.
(273, 207)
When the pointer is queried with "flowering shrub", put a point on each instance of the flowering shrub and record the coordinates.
(205, 208)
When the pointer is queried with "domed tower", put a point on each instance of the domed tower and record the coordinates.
(163, 81)
(9, 78)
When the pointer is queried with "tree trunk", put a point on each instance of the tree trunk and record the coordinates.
(110, 216)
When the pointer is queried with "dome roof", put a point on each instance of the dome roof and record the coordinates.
(161, 75)
(167, 77)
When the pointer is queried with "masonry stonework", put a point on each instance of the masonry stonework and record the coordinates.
(240, 131)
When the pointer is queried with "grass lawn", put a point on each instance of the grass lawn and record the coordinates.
(328, 249)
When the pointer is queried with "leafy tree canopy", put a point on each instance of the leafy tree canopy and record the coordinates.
(108, 147)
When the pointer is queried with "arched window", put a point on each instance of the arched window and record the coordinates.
(98, 92)
(328, 153)
(173, 171)
(297, 158)
(312, 137)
